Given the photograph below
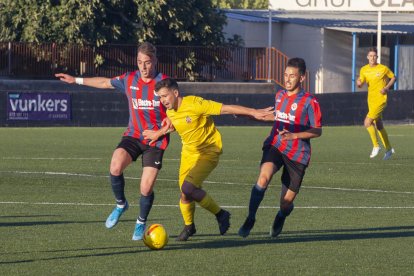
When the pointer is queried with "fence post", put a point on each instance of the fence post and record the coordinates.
(9, 54)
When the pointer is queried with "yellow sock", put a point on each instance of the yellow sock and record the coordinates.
(384, 138)
(187, 211)
(372, 133)
(209, 204)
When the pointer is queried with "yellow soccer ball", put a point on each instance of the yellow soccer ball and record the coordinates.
(155, 236)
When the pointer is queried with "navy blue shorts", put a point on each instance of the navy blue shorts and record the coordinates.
(151, 156)
(293, 172)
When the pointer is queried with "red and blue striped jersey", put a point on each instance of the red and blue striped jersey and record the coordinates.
(295, 113)
(145, 108)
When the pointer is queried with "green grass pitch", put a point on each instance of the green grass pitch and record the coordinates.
(354, 215)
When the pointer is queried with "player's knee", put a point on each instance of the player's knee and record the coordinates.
(263, 181)
(286, 203)
(187, 189)
(379, 125)
(184, 198)
(146, 191)
(115, 169)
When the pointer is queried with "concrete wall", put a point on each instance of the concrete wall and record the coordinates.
(96, 107)
(304, 42)
(336, 62)
(406, 67)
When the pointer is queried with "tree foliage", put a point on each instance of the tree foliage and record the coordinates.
(166, 22)
(100, 22)
(242, 4)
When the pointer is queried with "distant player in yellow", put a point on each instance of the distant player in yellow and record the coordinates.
(379, 79)
(202, 146)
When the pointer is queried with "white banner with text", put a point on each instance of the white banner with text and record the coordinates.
(342, 5)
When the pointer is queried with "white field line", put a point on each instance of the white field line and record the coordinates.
(230, 207)
(210, 182)
(69, 158)
(222, 160)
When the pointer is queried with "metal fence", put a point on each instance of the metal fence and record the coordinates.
(274, 61)
(184, 63)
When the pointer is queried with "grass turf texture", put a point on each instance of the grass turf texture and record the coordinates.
(354, 215)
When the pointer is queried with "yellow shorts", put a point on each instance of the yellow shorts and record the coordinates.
(375, 112)
(195, 168)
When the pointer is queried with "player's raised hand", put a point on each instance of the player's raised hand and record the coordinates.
(65, 78)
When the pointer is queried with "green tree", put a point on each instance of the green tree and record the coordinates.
(99, 22)
(167, 22)
(242, 4)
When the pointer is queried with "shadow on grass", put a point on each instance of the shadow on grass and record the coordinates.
(307, 236)
(233, 240)
(29, 216)
(34, 223)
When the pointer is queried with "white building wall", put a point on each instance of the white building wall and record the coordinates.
(305, 42)
(254, 34)
(328, 53)
(337, 62)
(406, 68)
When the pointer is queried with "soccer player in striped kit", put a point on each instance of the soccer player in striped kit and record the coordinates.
(145, 112)
(297, 119)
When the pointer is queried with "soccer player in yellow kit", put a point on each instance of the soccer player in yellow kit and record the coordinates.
(202, 146)
(379, 79)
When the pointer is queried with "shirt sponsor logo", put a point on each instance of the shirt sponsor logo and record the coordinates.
(145, 104)
(134, 87)
(284, 117)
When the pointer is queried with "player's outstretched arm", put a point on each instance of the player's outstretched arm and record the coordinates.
(97, 82)
(264, 114)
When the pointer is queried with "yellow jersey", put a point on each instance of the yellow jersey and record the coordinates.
(376, 78)
(194, 124)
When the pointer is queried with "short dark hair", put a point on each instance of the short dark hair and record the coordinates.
(298, 63)
(373, 49)
(148, 49)
(167, 83)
